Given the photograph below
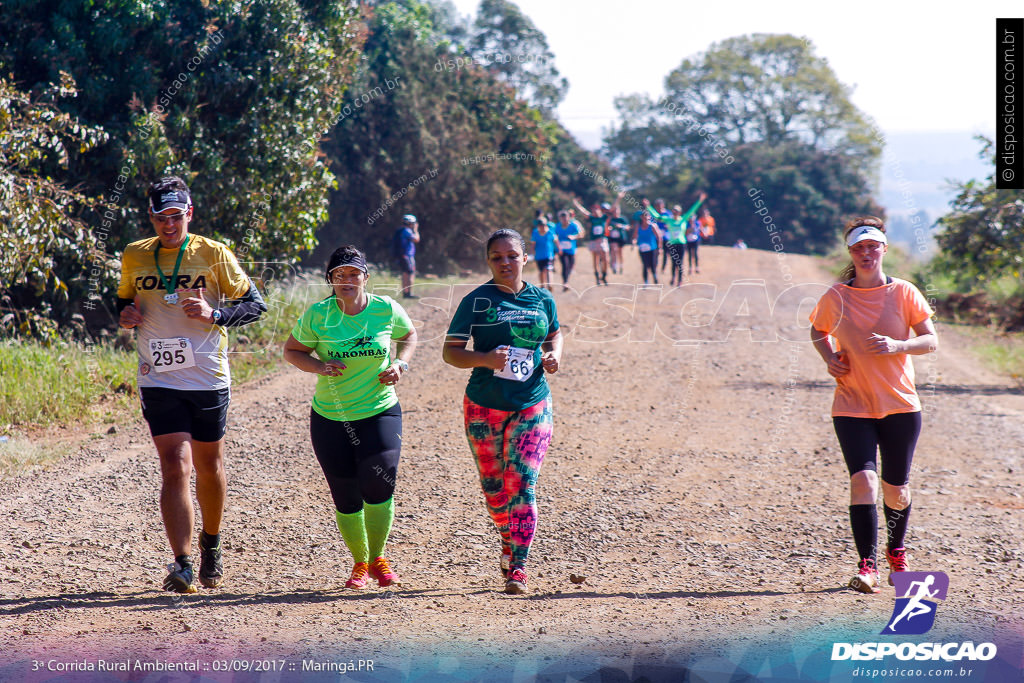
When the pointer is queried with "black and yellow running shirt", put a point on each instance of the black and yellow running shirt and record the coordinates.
(176, 352)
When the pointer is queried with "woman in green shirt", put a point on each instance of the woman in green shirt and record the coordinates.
(356, 420)
(507, 406)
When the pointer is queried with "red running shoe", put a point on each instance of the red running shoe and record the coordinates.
(866, 579)
(358, 578)
(516, 584)
(381, 570)
(897, 561)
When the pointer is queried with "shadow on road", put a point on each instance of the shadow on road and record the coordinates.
(152, 600)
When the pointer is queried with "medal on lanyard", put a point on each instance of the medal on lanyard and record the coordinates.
(171, 297)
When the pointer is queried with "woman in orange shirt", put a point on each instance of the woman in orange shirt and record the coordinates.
(876, 407)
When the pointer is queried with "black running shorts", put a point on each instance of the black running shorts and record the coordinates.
(202, 414)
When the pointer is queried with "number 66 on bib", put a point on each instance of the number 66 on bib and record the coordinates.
(519, 365)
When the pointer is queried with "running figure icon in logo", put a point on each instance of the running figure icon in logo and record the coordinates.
(914, 612)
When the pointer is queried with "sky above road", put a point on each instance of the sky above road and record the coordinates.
(916, 66)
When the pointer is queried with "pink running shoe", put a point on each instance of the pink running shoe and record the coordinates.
(897, 561)
(516, 584)
(358, 578)
(866, 579)
(381, 570)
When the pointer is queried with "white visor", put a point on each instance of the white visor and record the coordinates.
(865, 232)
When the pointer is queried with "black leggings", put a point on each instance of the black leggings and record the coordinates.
(359, 458)
(568, 262)
(691, 254)
(649, 259)
(893, 437)
(676, 253)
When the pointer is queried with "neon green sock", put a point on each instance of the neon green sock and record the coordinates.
(353, 530)
(378, 525)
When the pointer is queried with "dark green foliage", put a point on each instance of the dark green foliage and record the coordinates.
(982, 238)
(451, 145)
(508, 44)
(224, 94)
(581, 173)
(39, 217)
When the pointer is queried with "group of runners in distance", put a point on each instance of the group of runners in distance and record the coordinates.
(360, 345)
(652, 229)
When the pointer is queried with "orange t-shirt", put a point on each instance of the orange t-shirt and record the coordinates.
(877, 384)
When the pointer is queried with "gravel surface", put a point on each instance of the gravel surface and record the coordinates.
(694, 484)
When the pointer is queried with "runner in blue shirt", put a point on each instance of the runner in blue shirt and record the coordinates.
(545, 246)
(567, 232)
(648, 241)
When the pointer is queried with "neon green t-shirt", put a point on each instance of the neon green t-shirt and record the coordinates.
(363, 343)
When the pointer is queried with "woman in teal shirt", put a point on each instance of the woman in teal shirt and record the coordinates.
(355, 422)
(507, 406)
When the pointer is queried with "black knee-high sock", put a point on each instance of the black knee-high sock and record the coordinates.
(864, 522)
(896, 525)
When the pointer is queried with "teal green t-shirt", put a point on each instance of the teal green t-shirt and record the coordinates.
(598, 228)
(493, 317)
(363, 343)
(619, 229)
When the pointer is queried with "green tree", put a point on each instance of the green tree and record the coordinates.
(982, 237)
(513, 49)
(754, 112)
(39, 217)
(223, 94)
(452, 145)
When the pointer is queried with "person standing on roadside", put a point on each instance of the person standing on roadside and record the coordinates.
(876, 409)
(171, 292)
(355, 421)
(403, 249)
(507, 406)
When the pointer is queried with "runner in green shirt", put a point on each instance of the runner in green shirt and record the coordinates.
(355, 419)
(676, 242)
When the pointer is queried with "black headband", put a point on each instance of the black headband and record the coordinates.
(353, 260)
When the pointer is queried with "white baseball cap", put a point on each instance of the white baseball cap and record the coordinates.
(865, 232)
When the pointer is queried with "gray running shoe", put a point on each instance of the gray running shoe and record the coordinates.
(179, 578)
(211, 568)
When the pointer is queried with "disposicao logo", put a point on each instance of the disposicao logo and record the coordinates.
(914, 614)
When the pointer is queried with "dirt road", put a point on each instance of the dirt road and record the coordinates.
(694, 480)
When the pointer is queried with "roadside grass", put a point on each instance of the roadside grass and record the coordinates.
(64, 383)
(18, 454)
(1003, 353)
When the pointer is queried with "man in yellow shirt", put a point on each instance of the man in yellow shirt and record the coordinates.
(170, 291)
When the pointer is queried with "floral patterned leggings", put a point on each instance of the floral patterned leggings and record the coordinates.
(509, 448)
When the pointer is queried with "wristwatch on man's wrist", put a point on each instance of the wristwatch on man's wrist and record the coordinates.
(402, 364)
(217, 315)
